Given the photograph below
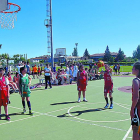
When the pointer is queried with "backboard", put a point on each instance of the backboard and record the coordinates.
(3, 5)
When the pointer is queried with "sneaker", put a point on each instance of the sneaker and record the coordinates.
(79, 100)
(7, 118)
(111, 106)
(30, 112)
(50, 87)
(24, 110)
(106, 106)
(45, 87)
(16, 91)
(84, 100)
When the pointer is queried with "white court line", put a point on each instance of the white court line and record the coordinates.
(122, 106)
(93, 121)
(20, 119)
(126, 135)
(22, 109)
(67, 119)
(87, 123)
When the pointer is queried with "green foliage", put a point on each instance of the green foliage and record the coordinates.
(120, 55)
(136, 53)
(107, 55)
(86, 53)
(75, 52)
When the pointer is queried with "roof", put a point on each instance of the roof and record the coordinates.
(102, 54)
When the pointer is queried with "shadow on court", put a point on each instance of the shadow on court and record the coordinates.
(78, 113)
(64, 103)
(12, 114)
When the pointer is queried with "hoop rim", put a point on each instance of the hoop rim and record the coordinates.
(9, 4)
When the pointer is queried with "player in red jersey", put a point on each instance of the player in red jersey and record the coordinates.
(4, 93)
(82, 79)
(108, 86)
(135, 107)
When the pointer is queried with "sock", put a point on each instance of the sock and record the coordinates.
(23, 103)
(29, 105)
(106, 100)
(78, 98)
(84, 98)
(111, 100)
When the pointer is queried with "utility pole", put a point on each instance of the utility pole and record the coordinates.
(48, 24)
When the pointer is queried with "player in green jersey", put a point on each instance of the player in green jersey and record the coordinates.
(23, 84)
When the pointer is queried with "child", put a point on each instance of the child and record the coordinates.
(82, 79)
(15, 79)
(12, 84)
(24, 90)
(108, 86)
(4, 92)
(135, 107)
(39, 70)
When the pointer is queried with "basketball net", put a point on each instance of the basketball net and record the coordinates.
(7, 18)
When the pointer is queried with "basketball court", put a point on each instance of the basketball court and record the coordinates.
(57, 115)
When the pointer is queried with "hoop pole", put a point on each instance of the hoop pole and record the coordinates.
(52, 59)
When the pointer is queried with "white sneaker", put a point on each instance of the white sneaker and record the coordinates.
(84, 100)
(79, 100)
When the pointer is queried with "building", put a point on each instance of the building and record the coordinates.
(45, 58)
(97, 56)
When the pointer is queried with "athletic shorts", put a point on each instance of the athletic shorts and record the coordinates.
(35, 72)
(108, 89)
(82, 87)
(3, 102)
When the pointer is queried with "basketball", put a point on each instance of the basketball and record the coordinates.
(100, 64)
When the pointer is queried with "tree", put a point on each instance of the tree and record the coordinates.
(86, 53)
(16, 58)
(5, 58)
(120, 55)
(136, 53)
(107, 55)
(75, 52)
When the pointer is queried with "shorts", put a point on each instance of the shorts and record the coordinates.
(35, 72)
(3, 102)
(108, 89)
(81, 88)
(25, 95)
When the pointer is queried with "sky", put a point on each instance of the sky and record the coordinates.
(93, 24)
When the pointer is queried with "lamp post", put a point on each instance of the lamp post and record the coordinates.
(76, 44)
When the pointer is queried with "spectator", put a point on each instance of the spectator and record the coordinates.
(28, 68)
(118, 68)
(115, 68)
(47, 71)
(35, 72)
(75, 71)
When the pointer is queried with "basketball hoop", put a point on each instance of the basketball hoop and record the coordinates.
(8, 17)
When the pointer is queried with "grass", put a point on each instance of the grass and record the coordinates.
(57, 115)
(122, 68)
